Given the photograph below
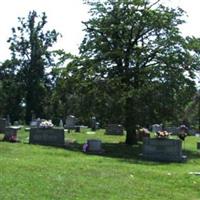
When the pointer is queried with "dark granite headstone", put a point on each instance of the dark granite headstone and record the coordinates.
(167, 150)
(47, 136)
(93, 123)
(198, 145)
(8, 123)
(16, 123)
(172, 129)
(35, 123)
(11, 133)
(70, 122)
(94, 145)
(3, 124)
(97, 125)
(114, 129)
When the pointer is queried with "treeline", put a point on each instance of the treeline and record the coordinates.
(134, 67)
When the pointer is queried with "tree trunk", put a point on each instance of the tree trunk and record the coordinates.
(29, 106)
(131, 137)
(199, 110)
(130, 122)
(28, 114)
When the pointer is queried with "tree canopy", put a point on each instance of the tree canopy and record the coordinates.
(138, 45)
(30, 47)
(134, 68)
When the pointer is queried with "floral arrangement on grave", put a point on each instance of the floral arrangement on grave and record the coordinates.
(162, 134)
(85, 147)
(183, 132)
(10, 138)
(142, 133)
(46, 124)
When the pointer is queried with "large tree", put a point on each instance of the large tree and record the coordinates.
(137, 45)
(30, 48)
(192, 111)
(11, 96)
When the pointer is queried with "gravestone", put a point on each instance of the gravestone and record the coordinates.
(3, 124)
(167, 150)
(16, 123)
(47, 136)
(182, 132)
(156, 127)
(11, 133)
(172, 129)
(8, 123)
(114, 129)
(35, 123)
(70, 122)
(61, 123)
(97, 125)
(94, 145)
(93, 123)
(183, 128)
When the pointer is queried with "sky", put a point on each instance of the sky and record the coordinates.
(66, 16)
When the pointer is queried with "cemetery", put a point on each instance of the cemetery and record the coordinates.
(106, 160)
(118, 120)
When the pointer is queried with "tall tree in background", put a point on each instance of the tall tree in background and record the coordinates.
(136, 44)
(30, 46)
(192, 111)
(194, 45)
(11, 95)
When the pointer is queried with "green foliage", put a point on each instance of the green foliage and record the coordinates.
(137, 46)
(192, 111)
(30, 45)
(11, 98)
(134, 68)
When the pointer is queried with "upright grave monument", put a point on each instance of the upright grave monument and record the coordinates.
(70, 123)
(3, 124)
(163, 149)
(47, 136)
(114, 129)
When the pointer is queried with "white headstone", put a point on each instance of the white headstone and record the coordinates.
(61, 123)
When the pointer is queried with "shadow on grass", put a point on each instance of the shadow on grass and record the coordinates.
(127, 153)
(121, 151)
(192, 154)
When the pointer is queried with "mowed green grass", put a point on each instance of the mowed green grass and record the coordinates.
(42, 172)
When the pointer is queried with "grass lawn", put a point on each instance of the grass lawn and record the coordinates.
(42, 172)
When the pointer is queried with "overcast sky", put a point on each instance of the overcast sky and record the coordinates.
(66, 15)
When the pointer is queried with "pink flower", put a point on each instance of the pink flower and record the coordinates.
(85, 147)
(12, 138)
